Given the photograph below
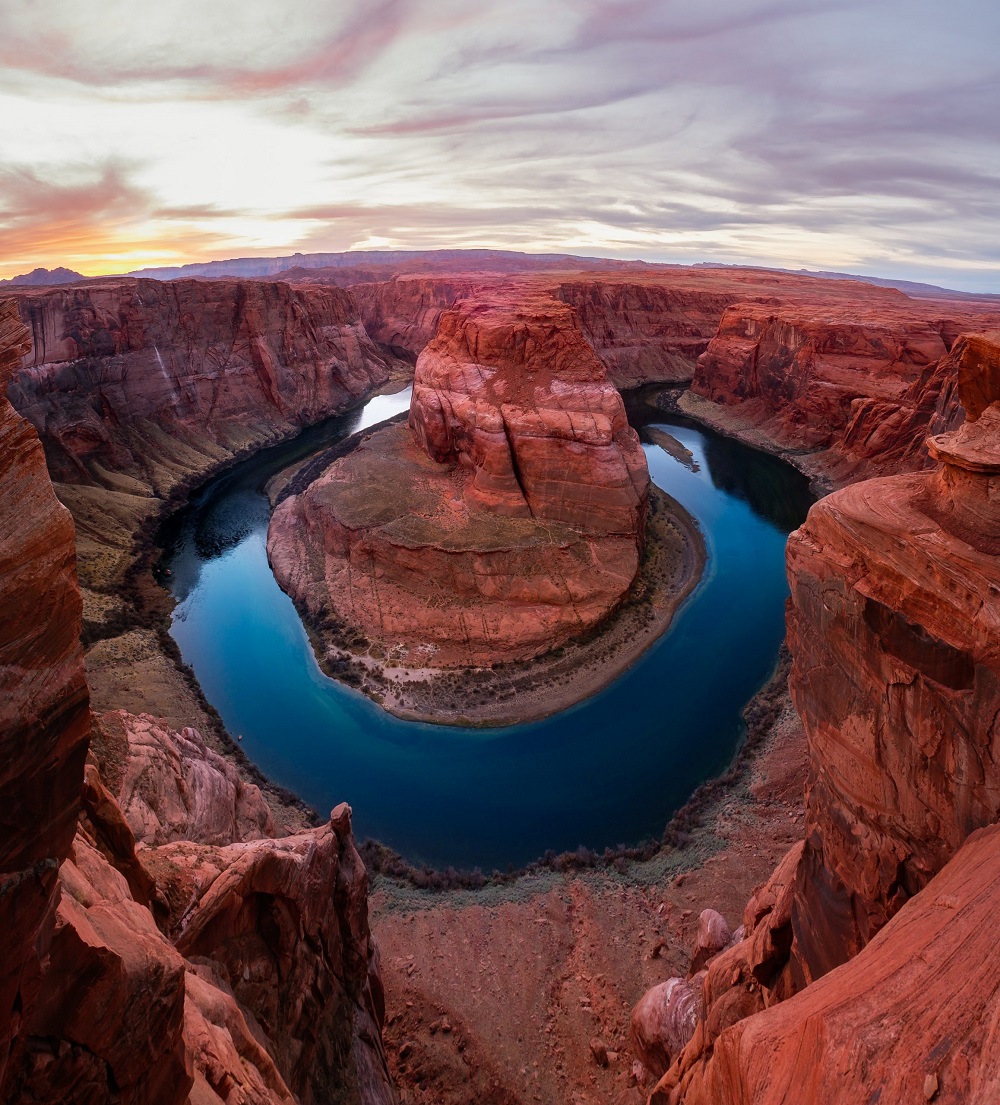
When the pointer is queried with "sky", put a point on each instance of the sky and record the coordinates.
(855, 135)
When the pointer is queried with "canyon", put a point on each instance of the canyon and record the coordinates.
(506, 519)
(151, 878)
(893, 630)
(190, 955)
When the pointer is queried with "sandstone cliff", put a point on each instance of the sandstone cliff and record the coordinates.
(857, 383)
(646, 332)
(914, 1017)
(403, 313)
(44, 717)
(646, 326)
(137, 388)
(894, 623)
(277, 995)
(509, 520)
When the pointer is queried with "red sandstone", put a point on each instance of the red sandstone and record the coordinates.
(516, 524)
(894, 624)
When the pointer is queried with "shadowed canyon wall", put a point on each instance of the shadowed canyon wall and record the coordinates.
(213, 964)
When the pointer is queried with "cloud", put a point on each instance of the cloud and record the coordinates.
(788, 131)
(209, 48)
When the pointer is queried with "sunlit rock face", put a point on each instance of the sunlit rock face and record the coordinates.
(507, 518)
(860, 383)
(894, 628)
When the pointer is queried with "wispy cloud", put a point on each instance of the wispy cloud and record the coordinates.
(826, 133)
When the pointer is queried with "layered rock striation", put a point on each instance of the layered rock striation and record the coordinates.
(44, 714)
(264, 988)
(137, 387)
(508, 518)
(913, 1017)
(894, 624)
(859, 384)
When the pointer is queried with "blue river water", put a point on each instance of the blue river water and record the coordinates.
(608, 771)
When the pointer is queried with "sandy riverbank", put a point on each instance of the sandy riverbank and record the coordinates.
(524, 975)
(729, 422)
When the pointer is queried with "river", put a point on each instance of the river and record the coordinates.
(609, 771)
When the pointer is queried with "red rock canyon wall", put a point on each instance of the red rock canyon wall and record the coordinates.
(893, 624)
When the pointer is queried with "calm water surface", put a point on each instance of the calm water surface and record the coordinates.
(609, 771)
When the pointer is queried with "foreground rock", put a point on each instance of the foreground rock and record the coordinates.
(172, 786)
(894, 625)
(97, 1004)
(283, 927)
(914, 1017)
(513, 517)
(44, 717)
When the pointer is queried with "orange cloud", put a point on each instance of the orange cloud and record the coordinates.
(94, 220)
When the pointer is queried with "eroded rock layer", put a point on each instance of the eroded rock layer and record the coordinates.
(914, 1017)
(509, 516)
(44, 716)
(894, 628)
(137, 387)
(98, 1002)
(859, 383)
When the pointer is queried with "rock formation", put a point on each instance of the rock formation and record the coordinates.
(403, 313)
(647, 325)
(914, 1017)
(509, 520)
(271, 979)
(172, 786)
(894, 624)
(44, 716)
(860, 383)
(284, 926)
(137, 387)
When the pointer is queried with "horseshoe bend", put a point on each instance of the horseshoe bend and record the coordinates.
(811, 920)
(509, 518)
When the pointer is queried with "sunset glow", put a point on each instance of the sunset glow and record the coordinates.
(819, 133)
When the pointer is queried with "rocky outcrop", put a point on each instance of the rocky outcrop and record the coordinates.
(285, 926)
(647, 324)
(44, 717)
(511, 519)
(894, 631)
(894, 623)
(663, 1022)
(914, 1017)
(860, 384)
(136, 387)
(172, 786)
(265, 977)
(109, 1021)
